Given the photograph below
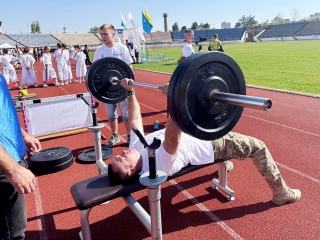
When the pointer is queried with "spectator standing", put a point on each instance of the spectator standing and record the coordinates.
(215, 44)
(48, 71)
(8, 69)
(86, 52)
(110, 48)
(81, 68)
(187, 48)
(28, 73)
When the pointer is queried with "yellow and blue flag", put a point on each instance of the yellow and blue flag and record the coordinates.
(146, 21)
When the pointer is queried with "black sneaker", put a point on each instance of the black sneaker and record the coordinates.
(113, 140)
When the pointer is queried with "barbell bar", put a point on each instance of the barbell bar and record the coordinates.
(205, 97)
(216, 96)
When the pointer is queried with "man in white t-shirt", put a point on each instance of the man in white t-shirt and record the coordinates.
(110, 48)
(187, 48)
(178, 150)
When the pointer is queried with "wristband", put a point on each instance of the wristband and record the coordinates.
(130, 93)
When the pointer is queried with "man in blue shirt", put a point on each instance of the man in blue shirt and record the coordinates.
(15, 179)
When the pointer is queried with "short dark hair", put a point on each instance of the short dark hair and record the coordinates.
(215, 35)
(119, 177)
(5, 50)
(115, 177)
(26, 49)
(59, 45)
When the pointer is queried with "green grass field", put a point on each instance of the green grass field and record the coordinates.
(291, 65)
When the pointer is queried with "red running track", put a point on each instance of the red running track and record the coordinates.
(191, 209)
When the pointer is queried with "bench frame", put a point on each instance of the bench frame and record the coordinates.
(152, 221)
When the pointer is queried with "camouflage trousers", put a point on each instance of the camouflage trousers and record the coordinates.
(238, 146)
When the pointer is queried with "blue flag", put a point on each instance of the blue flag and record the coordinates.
(147, 26)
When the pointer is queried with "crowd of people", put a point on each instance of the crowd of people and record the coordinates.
(24, 59)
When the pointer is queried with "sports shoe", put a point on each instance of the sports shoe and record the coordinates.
(36, 85)
(26, 87)
(14, 84)
(57, 84)
(287, 196)
(113, 140)
(20, 88)
(62, 84)
(45, 85)
(66, 83)
(229, 165)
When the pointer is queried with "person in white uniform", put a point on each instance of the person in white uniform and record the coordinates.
(178, 149)
(61, 64)
(8, 70)
(67, 55)
(28, 72)
(48, 71)
(110, 48)
(81, 68)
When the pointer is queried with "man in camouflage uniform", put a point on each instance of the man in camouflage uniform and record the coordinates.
(179, 149)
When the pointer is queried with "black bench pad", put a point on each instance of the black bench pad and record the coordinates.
(97, 190)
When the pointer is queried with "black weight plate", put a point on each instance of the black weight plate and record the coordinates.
(47, 170)
(189, 96)
(99, 75)
(51, 157)
(51, 160)
(89, 155)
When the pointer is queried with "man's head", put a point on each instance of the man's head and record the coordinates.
(189, 35)
(107, 34)
(215, 36)
(124, 166)
(58, 45)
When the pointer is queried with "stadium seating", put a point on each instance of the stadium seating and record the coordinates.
(311, 28)
(34, 39)
(5, 39)
(224, 34)
(283, 30)
(158, 37)
(78, 39)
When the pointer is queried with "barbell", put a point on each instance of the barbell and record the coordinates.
(206, 93)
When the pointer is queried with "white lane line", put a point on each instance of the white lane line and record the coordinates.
(281, 125)
(300, 173)
(39, 210)
(213, 217)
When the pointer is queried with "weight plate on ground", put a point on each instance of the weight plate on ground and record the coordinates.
(99, 75)
(190, 88)
(89, 155)
(51, 160)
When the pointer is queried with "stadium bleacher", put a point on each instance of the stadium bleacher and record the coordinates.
(283, 30)
(311, 28)
(224, 34)
(33, 39)
(158, 37)
(5, 39)
(80, 39)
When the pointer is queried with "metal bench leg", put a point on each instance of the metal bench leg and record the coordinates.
(85, 233)
(222, 182)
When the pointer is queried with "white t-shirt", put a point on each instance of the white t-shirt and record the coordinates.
(187, 49)
(27, 60)
(118, 51)
(191, 150)
(46, 58)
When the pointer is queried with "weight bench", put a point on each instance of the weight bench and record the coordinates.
(97, 190)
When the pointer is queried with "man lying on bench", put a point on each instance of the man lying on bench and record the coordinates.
(179, 149)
